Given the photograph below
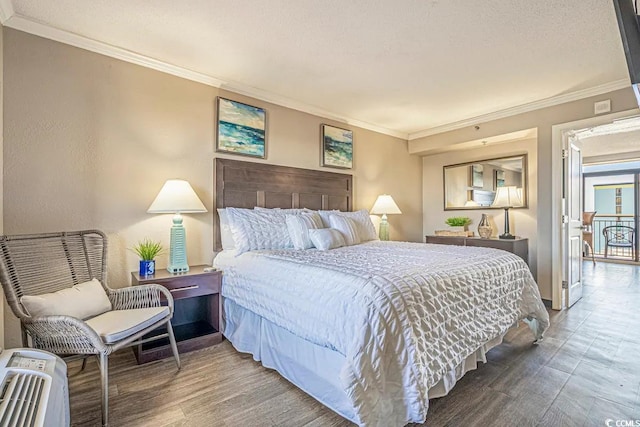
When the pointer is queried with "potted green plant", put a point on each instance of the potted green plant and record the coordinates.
(460, 223)
(147, 250)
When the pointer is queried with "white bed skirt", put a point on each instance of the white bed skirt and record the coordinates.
(312, 368)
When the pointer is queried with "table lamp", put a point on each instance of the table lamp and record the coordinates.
(507, 197)
(177, 196)
(385, 205)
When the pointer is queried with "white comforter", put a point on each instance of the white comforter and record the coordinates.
(402, 314)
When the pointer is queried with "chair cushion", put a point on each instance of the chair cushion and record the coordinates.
(82, 301)
(117, 325)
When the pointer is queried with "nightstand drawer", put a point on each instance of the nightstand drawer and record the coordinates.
(192, 286)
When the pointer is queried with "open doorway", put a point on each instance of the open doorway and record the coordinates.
(611, 171)
(601, 204)
(611, 152)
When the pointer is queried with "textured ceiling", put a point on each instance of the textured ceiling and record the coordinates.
(402, 65)
(612, 139)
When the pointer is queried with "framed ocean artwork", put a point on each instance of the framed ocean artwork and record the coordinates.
(241, 129)
(498, 178)
(337, 147)
(477, 176)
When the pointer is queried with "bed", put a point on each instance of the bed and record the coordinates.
(372, 330)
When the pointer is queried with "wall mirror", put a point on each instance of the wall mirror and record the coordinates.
(474, 185)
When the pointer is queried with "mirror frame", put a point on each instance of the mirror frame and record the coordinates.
(525, 189)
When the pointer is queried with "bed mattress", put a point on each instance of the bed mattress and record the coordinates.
(402, 315)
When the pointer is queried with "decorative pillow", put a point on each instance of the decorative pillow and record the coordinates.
(347, 227)
(82, 301)
(326, 238)
(226, 237)
(366, 230)
(324, 215)
(299, 226)
(258, 229)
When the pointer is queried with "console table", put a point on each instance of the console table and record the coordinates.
(517, 246)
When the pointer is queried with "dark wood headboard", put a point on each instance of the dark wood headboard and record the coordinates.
(247, 184)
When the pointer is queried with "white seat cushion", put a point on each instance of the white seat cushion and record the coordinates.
(117, 325)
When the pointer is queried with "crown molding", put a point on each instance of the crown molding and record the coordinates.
(6, 11)
(309, 109)
(46, 31)
(524, 108)
(21, 23)
(10, 19)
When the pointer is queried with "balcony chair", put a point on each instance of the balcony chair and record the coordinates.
(38, 271)
(619, 236)
(587, 231)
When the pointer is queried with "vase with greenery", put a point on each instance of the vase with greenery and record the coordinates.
(459, 222)
(147, 250)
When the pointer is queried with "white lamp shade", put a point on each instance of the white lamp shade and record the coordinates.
(507, 197)
(385, 205)
(176, 195)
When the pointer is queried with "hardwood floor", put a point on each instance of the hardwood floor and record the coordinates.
(585, 371)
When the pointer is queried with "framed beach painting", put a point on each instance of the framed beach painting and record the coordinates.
(337, 147)
(241, 129)
(477, 176)
(498, 179)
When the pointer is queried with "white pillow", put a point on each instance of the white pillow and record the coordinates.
(366, 230)
(299, 226)
(326, 238)
(82, 301)
(258, 229)
(347, 227)
(226, 237)
(324, 215)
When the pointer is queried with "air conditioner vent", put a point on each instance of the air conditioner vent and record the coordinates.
(20, 399)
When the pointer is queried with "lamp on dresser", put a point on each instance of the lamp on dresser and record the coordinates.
(385, 205)
(177, 196)
(507, 197)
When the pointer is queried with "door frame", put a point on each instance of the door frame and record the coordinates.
(557, 132)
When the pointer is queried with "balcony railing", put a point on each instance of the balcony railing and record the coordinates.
(602, 221)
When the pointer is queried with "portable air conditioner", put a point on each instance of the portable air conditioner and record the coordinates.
(34, 389)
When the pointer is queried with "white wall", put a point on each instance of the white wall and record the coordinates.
(522, 221)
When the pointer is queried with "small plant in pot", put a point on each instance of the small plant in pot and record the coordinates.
(147, 250)
(460, 223)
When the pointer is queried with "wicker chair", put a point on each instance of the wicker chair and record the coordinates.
(587, 231)
(43, 263)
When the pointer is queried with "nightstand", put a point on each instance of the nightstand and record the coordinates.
(196, 315)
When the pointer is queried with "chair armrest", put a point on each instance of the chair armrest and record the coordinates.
(141, 296)
(64, 335)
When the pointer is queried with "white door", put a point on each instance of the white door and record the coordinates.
(572, 221)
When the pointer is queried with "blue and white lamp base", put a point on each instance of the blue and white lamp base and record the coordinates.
(178, 247)
(384, 228)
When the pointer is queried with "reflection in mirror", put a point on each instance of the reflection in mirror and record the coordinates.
(474, 185)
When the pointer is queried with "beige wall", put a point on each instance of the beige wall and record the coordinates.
(3, 304)
(543, 120)
(522, 221)
(90, 140)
